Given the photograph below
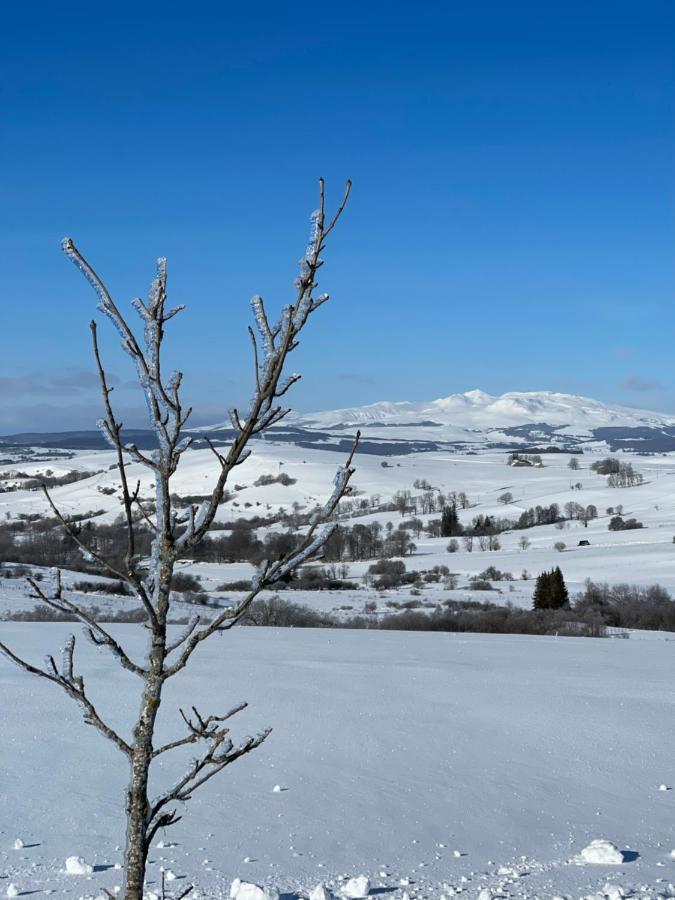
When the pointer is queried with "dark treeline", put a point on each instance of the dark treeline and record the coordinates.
(44, 542)
(452, 616)
(628, 605)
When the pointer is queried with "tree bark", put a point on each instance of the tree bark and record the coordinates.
(138, 802)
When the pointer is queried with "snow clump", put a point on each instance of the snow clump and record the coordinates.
(75, 865)
(602, 852)
(321, 892)
(356, 888)
(245, 890)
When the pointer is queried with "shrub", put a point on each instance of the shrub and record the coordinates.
(103, 587)
(183, 582)
(282, 478)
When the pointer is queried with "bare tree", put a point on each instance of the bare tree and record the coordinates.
(175, 534)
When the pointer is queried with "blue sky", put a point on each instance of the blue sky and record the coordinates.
(511, 226)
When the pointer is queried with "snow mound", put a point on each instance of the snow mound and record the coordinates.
(246, 890)
(321, 892)
(19, 844)
(613, 891)
(603, 853)
(356, 888)
(75, 865)
(12, 890)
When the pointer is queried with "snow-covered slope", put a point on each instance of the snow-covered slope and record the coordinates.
(433, 763)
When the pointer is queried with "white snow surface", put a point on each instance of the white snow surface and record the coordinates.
(400, 747)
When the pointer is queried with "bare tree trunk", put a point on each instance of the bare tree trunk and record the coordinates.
(136, 850)
(138, 802)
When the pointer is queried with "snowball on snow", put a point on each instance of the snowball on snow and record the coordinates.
(602, 852)
(75, 865)
(12, 890)
(321, 892)
(356, 888)
(19, 844)
(664, 787)
(245, 890)
(276, 789)
(613, 891)
(169, 875)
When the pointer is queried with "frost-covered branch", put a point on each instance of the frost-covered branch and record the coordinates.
(96, 633)
(312, 542)
(276, 342)
(72, 684)
(220, 753)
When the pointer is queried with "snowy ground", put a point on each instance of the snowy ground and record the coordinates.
(433, 763)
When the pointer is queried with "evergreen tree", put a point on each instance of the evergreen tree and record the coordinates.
(559, 595)
(550, 591)
(541, 599)
(450, 521)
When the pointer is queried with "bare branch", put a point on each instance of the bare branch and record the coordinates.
(73, 687)
(278, 342)
(268, 574)
(221, 753)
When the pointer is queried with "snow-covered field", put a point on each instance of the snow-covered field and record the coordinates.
(644, 556)
(435, 764)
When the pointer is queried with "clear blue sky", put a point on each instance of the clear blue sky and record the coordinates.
(512, 218)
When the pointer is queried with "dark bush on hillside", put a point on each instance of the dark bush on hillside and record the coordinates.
(182, 582)
(279, 613)
(494, 574)
(617, 523)
(628, 605)
(103, 587)
(282, 478)
(387, 567)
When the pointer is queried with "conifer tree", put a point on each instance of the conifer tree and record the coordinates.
(550, 591)
(541, 599)
(450, 521)
(559, 595)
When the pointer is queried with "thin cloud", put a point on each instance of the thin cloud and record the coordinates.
(51, 383)
(642, 385)
(356, 378)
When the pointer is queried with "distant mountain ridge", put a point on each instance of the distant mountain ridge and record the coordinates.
(459, 422)
(477, 409)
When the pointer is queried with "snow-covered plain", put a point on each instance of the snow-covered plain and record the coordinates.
(642, 556)
(434, 764)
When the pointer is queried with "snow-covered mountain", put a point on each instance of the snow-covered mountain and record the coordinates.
(512, 419)
(485, 412)
(470, 420)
